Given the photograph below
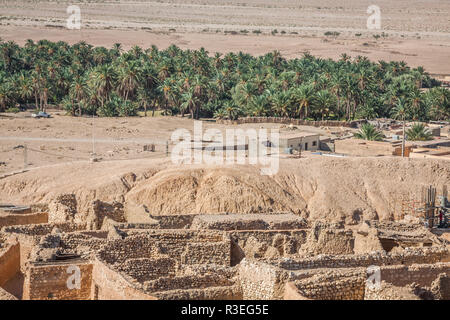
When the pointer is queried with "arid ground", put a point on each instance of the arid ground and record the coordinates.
(416, 31)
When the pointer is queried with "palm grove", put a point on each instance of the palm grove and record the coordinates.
(87, 80)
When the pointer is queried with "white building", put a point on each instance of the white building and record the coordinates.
(304, 141)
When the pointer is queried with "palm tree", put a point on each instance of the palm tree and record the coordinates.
(369, 132)
(418, 132)
(190, 103)
(400, 111)
(324, 102)
(304, 96)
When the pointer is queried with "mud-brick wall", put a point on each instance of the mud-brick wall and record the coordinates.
(49, 282)
(9, 262)
(109, 284)
(19, 219)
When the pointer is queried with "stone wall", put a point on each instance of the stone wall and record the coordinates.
(147, 269)
(387, 291)
(49, 281)
(265, 243)
(22, 219)
(349, 285)
(186, 282)
(109, 284)
(441, 287)
(329, 123)
(249, 222)
(182, 245)
(407, 257)
(207, 253)
(421, 274)
(9, 262)
(43, 228)
(210, 293)
(260, 281)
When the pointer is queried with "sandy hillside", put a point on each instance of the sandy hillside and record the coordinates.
(337, 189)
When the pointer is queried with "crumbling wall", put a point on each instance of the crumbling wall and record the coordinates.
(63, 208)
(50, 281)
(109, 284)
(441, 287)
(9, 261)
(100, 210)
(387, 291)
(266, 243)
(325, 238)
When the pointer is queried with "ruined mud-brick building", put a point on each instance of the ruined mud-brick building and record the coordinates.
(220, 256)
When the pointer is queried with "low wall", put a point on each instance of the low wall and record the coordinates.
(210, 293)
(421, 274)
(147, 269)
(9, 262)
(186, 282)
(20, 219)
(49, 281)
(350, 286)
(298, 122)
(358, 147)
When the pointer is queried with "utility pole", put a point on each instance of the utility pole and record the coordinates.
(25, 157)
(167, 148)
(403, 140)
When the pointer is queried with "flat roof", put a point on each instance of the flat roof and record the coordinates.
(293, 135)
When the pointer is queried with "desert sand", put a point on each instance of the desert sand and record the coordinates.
(417, 31)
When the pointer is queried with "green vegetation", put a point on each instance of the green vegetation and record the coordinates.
(109, 82)
(369, 132)
(418, 132)
(332, 33)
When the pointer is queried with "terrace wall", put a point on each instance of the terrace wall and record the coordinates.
(329, 123)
